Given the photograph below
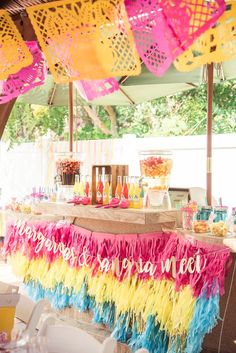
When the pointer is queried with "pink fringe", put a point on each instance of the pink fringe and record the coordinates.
(154, 247)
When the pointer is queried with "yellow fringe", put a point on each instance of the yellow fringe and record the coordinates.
(172, 309)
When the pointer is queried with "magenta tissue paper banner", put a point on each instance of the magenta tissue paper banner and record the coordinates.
(90, 90)
(163, 29)
(27, 78)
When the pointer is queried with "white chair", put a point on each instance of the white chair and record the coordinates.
(199, 195)
(8, 288)
(29, 312)
(70, 339)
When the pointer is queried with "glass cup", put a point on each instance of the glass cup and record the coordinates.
(187, 219)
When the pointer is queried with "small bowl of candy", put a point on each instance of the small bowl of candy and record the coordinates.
(219, 229)
(200, 226)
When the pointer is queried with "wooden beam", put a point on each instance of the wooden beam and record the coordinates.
(127, 96)
(52, 94)
(210, 74)
(25, 27)
(70, 103)
(5, 111)
(192, 84)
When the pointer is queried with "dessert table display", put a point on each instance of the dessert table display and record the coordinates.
(155, 289)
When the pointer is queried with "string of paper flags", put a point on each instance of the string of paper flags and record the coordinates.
(94, 42)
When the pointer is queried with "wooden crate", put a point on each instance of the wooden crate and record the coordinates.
(113, 170)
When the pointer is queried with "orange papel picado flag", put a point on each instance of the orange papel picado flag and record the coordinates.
(215, 45)
(85, 39)
(14, 54)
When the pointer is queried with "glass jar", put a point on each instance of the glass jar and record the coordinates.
(232, 221)
(187, 219)
(234, 215)
(155, 169)
(67, 165)
(204, 213)
(220, 213)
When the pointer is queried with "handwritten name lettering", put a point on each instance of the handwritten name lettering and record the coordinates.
(121, 268)
(43, 242)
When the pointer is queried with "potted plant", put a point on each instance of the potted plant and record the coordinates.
(67, 168)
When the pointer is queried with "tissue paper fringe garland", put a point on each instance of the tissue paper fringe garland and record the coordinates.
(14, 54)
(27, 78)
(215, 45)
(158, 312)
(85, 40)
(164, 29)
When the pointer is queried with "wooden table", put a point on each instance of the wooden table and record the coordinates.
(142, 221)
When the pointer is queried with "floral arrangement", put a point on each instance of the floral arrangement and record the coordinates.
(67, 166)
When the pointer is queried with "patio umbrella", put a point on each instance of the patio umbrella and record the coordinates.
(135, 90)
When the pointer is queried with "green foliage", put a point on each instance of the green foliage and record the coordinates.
(182, 114)
(26, 122)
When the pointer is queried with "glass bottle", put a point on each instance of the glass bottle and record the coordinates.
(99, 193)
(131, 192)
(76, 185)
(137, 193)
(118, 188)
(110, 188)
(82, 186)
(125, 190)
(106, 190)
(87, 186)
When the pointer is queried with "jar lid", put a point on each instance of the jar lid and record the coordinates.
(206, 208)
(156, 152)
(221, 208)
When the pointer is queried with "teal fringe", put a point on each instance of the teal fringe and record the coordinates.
(205, 317)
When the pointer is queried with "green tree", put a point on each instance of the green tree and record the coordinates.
(182, 114)
(27, 122)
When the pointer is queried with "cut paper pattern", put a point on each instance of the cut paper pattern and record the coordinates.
(14, 54)
(90, 90)
(216, 45)
(27, 78)
(163, 29)
(86, 39)
(120, 278)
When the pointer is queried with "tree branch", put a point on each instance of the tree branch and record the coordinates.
(96, 120)
(112, 116)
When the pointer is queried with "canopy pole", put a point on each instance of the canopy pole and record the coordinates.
(5, 111)
(210, 73)
(71, 117)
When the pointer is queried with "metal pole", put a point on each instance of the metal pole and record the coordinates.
(71, 117)
(210, 73)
